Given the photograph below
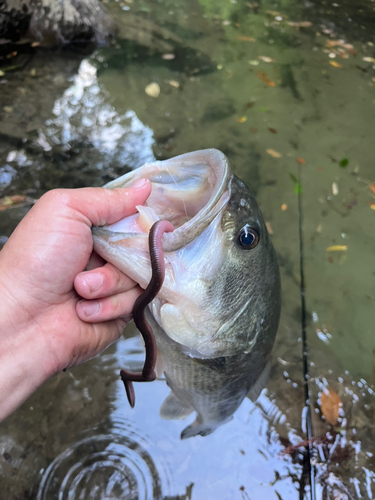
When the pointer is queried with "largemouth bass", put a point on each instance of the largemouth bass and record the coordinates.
(216, 315)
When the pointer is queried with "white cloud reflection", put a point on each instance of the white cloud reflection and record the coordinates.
(84, 114)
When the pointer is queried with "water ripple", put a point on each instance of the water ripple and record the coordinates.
(119, 464)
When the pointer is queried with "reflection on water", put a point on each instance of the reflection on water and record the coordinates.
(84, 113)
(290, 84)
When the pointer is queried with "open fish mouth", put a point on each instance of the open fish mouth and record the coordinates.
(188, 191)
(191, 191)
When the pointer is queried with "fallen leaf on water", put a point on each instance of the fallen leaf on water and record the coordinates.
(168, 57)
(372, 187)
(35, 44)
(337, 248)
(241, 119)
(301, 161)
(335, 64)
(266, 59)
(245, 38)
(254, 62)
(330, 404)
(174, 83)
(9, 201)
(302, 24)
(264, 78)
(341, 43)
(372, 205)
(368, 59)
(272, 130)
(273, 153)
(335, 189)
(297, 184)
(275, 13)
(373, 79)
(284, 207)
(269, 228)
(153, 90)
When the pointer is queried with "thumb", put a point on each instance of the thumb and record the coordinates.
(102, 206)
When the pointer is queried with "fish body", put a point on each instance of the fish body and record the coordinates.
(216, 315)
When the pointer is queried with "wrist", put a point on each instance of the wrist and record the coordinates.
(23, 356)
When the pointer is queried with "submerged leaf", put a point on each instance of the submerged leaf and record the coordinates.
(273, 153)
(267, 59)
(264, 78)
(301, 161)
(174, 83)
(241, 119)
(372, 206)
(330, 405)
(297, 184)
(337, 248)
(245, 38)
(153, 90)
(368, 59)
(372, 187)
(335, 64)
(15, 201)
(343, 163)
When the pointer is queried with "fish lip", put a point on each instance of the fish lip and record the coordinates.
(187, 232)
(183, 235)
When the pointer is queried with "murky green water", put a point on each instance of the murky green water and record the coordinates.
(287, 91)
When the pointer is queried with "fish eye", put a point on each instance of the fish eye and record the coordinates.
(248, 237)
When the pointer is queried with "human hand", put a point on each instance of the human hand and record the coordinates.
(45, 326)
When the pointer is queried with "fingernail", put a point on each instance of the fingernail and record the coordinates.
(90, 308)
(94, 281)
(140, 183)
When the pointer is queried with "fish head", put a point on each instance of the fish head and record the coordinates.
(221, 286)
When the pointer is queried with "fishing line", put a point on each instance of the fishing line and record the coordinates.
(307, 408)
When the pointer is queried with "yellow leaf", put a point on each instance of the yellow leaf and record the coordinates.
(335, 64)
(245, 38)
(273, 153)
(372, 206)
(8, 201)
(241, 119)
(153, 90)
(330, 405)
(368, 59)
(337, 248)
